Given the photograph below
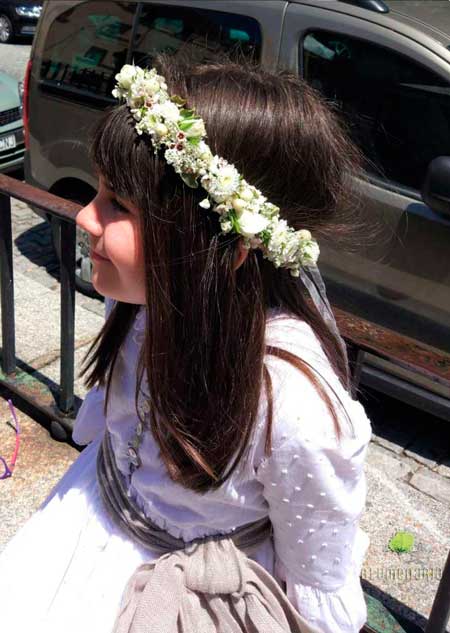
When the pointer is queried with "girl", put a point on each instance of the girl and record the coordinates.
(223, 480)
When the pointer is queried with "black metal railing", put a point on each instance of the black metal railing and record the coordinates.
(63, 213)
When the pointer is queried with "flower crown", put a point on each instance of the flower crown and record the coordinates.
(241, 206)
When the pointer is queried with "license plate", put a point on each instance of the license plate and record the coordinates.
(7, 142)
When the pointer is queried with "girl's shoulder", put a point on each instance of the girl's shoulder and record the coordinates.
(299, 409)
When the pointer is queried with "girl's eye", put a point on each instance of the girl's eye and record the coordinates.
(118, 206)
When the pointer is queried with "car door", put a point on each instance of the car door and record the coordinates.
(393, 92)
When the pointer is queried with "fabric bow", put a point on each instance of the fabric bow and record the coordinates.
(208, 587)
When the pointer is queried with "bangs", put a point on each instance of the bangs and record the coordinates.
(121, 156)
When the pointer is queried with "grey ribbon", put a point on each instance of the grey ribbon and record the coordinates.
(207, 585)
(313, 281)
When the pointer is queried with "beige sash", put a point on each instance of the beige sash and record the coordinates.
(207, 585)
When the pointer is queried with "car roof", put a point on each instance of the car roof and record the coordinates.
(435, 14)
(429, 17)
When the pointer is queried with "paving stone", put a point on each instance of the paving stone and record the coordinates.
(38, 330)
(41, 463)
(432, 484)
(443, 468)
(409, 579)
(394, 446)
(383, 459)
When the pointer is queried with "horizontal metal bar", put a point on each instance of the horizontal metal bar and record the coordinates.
(64, 209)
(39, 397)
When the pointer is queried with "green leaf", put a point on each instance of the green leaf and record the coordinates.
(265, 237)
(186, 124)
(194, 140)
(186, 114)
(189, 180)
(401, 542)
(178, 100)
(234, 221)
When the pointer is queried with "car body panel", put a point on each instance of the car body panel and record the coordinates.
(22, 25)
(403, 280)
(9, 92)
(11, 112)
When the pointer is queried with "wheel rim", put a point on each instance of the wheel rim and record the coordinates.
(5, 31)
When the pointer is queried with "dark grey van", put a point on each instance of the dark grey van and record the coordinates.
(386, 65)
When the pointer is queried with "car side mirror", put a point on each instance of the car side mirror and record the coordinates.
(436, 186)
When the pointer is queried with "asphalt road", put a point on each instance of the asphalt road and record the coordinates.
(13, 59)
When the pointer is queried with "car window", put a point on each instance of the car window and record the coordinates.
(397, 111)
(84, 49)
(201, 33)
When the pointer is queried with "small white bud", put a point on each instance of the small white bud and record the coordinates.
(238, 204)
(204, 204)
(304, 234)
(161, 129)
(246, 194)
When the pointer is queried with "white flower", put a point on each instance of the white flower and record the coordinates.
(196, 129)
(251, 223)
(127, 75)
(221, 208)
(204, 204)
(204, 152)
(151, 85)
(222, 181)
(246, 193)
(238, 205)
(226, 226)
(304, 234)
(161, 130)
(167, 110)
(311, 251)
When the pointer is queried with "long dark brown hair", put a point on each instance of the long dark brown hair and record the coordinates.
(204, 348)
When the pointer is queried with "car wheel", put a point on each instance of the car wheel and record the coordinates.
(6, 29)
(83, 263)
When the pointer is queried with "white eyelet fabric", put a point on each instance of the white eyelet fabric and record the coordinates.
(312, 487)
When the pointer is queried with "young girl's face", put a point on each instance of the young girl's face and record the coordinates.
(113, 227)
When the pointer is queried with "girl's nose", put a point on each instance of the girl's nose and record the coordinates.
(89, 218)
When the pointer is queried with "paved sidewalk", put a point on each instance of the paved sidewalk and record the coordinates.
(408, 466)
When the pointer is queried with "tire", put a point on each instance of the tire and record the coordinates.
(6, 29)
(83, 264)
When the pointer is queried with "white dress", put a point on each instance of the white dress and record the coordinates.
(66, 568)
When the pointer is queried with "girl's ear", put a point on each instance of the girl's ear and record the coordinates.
(240, 255)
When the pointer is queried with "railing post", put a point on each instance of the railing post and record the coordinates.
(7, 287)
(440, 611)
(355, 359)
(67, 235)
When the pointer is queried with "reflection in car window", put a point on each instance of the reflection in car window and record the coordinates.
(201, 33)
(85, 48)
(398, 112)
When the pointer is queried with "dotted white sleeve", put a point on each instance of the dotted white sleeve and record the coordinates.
(316, 492)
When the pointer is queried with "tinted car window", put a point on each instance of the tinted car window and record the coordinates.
(398, 112)
(85, 48)
(203, 34)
